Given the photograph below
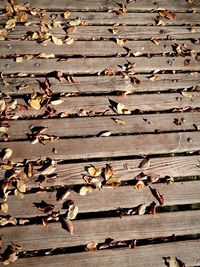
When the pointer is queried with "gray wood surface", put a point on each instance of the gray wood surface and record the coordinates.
(32, 237)
(98, 147)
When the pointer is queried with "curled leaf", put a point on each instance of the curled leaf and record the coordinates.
(6, 153)
(107, 172)
(85, 190)
(94, 170)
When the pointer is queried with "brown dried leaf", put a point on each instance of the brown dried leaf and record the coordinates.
(139, 185)
(145, 163)
(115, 30)
(167, 14)
(91, 246)
(119, 121)
(107, 172)
(113, 182)
(44, 207)
(157, 195)
(69, 226)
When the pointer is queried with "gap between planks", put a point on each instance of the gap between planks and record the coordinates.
(32, 237)
(104, 84)
(179, 193)
(96, 5)
(151, 256)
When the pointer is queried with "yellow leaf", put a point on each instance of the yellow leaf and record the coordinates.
(85, 190)
(19, 59)
(187, 94)
(67, 14)
(23, 17)
(35, 103)
(56, 41)
(75, 22)
(21, 187)
(69, 40)
(113, 182)
(94, 170)
(73, 211)
(35, 36)
(11, 23)
(121, 42)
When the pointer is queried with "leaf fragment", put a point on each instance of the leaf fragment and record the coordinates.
(157, 195)
(4, 207)
(173, 262)
(56, 40)
(145, 163)
(91, 246)
(141, 209)
(139, 185)
(121, 42)
(67, 14)
(119, 121)
(94, 170)
(107, 172)
(72, 213)
(11, 23)
(187, 94)
(167, 14)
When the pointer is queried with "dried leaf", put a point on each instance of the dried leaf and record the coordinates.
(21, 187)
(2, 105)
(169, 180)
(6, 153)
(69, 40)
(113, 182)
(119, 121)
(187, 94)
(10, 255)
(167, 14)
(141, 209)
(94, 170)
(75, 22)
(96, 183)
(85, 190)
(64, 195)
(139, 185)
(92, 246)
(4, 221)
(44, 207)
(145, 163)
(104, 134)
(72, 213)
(35, 103)
(115, 30)
(67, 14)
(56, 41)
(11, 23)
(157, 195)
(121, 42)
(69, 226)
(107, 172)
(173, 262)
(48, 170)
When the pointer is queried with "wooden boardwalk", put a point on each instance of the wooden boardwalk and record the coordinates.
(100, 133)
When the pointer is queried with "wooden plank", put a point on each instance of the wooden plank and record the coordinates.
(105, 18)
(105, 84)
(99, 32)
(32, 237)
(97, 147)
(96, 5)
(151, 255)
(88, 126)
(94, 48)
(95, 65)
(98, 105)
(179, 193)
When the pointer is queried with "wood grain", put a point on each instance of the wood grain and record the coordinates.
(32, 237)
(92, 48)
(97, 147)
(105, 18)
(88, 126)
(100, 105)
(96, 5)
(95, 65)
(179, 193)
(105, 84)
(99, 32)
(151, 255)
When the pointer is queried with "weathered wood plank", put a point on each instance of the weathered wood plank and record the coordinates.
(97, 147)
(105, 84)
(96, 5)
(32, 237)
(108, 199)
(151, 255)
(88, 126)
(99, 32)
(101, 104)
(105, 18)
(95, 65)
(94, 48)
